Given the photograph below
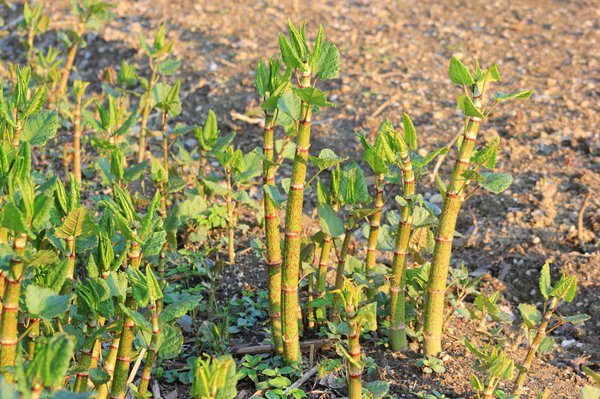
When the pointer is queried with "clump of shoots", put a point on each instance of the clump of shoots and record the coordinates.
(466, 170)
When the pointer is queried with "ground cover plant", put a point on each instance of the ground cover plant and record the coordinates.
(113, 254)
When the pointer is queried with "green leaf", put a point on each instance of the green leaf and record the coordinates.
(565, 288)
(523, 94)
(330, 222)
(459, 73)
(466, 105)
(410, 134)
(326, 159)
(40, 128)
(313, 96)
(492, 73)
(139, 286)
(377, 389)
(171, 343)
(99, 376)
(14, 220)
(367, 316)
(169, 66)
(487, 155)
(546, 346)
(272, 194)
(176, 310)
(153, 287)
(495, 182)
(73, 225)
(592, 374)
(545, 280)
(530, 314)
(54, 360)
(262, 79)
(328, 64)
(476, 384)
(289, 55)
(36, 102)
(575, 319)
(43, 303)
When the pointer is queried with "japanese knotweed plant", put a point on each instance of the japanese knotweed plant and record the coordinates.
(270, 83)
(538, 324)
(214, 378)
(415, 213)
(34, 22)
(495, 364)
(466, 171)
(76, 119)
(90, 15)
(160, 65)
(358, 316)
(300, 103)
(240, 170)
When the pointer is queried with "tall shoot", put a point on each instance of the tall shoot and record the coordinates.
(322, 63)
(466, 170)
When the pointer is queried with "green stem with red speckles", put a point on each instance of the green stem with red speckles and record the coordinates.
(85, 364)
(373, 238)
(340, 270)
(434, 313)
(398, 278)
(354, 368)
(293, 227)
(321, 312)
(272, 237)
(151, 353)
(10, 309)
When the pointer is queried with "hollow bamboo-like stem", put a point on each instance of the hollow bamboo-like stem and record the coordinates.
(398, 281)
(354, 368)
(68, 284)
(373, 237)
(151, 353)
(64, 77)
(434, 315)
(119, 383)
(109, 366)
(272, 237)
(87, 355)
(146, 108)
(10, 309)
(533, 348)
(293, 227)
(77, 139)
(490, 387)
(340, 270)
(321, 312)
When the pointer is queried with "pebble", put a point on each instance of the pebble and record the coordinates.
(536, 240)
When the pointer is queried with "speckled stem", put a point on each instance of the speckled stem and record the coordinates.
(434, 314)
(293, 228)
(398, 279)
(10, 309)
(340, 270)
(373, 236)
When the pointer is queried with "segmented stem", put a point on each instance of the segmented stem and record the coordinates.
(321, 312)
(10, 309)
(340, 270)
(398, 280)
(151, 353)
(371, 260)
(434, 315)
(354, 368)
(293, 227)
(272, 238)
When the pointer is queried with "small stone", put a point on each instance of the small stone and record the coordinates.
(536, 240)
(436, 198)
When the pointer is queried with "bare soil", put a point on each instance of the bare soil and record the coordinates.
(395, 58)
